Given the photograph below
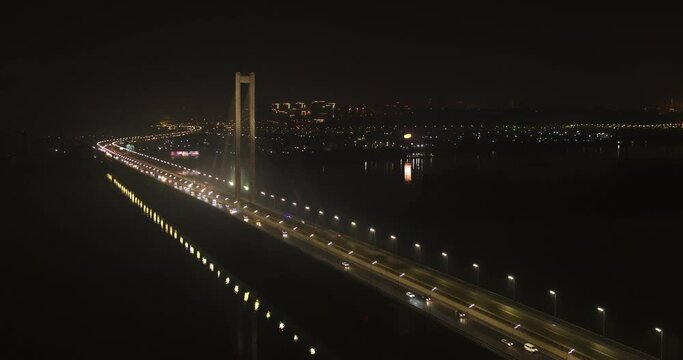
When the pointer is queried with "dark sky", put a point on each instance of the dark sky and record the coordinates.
(90, 66)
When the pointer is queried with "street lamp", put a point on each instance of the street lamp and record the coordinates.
(661, 342)
(393, 244)
(475, 268)
(444, 255)
(419, 252)
(553, 293)
(602, 312)
(512, 278)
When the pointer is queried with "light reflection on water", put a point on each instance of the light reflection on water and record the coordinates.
(275, 320)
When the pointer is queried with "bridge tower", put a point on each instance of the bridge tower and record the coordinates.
(251, 80)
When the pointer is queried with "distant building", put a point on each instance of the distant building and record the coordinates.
(317, 111)
(322, 110)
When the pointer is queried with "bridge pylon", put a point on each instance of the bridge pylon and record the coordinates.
(251, 81)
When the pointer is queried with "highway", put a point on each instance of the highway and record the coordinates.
(478, 314)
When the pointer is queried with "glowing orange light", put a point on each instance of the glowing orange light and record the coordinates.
(407, 172)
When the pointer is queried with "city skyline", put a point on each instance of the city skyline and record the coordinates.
(178, 58)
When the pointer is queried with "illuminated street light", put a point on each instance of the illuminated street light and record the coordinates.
(603, 313)
(444, 256)
(512, 278)
(372, 229)
(554, 295)
(353, 223)
(661, 342)
(475, 268)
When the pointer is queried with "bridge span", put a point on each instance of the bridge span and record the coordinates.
(483, 316)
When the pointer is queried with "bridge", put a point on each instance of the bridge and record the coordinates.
(483, 316)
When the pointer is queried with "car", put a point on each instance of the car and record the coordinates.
(346, 265)
(233, 211)
(284, 234)
(426, 298)
(460, 314)
(258, 223)
(507, 342)
(530, 348)
(410, 295)
(246, 219)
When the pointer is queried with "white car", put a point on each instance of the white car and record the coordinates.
(346, 265)
(284, 234)
(246, 219)
(507, 342)
(410, 295)
(258, 223)
(530, 347)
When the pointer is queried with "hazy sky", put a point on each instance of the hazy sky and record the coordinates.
(100, 65)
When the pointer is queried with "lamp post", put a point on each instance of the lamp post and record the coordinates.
(512, 278)
(418, 250)
(444, 255)
(553, 293)
(393, 244)
(661, 342)
(475, 268)
(602, 312)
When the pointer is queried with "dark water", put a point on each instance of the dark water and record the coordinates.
(86, 275)
(599, 224)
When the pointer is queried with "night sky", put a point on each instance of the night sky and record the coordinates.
(84, 67)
